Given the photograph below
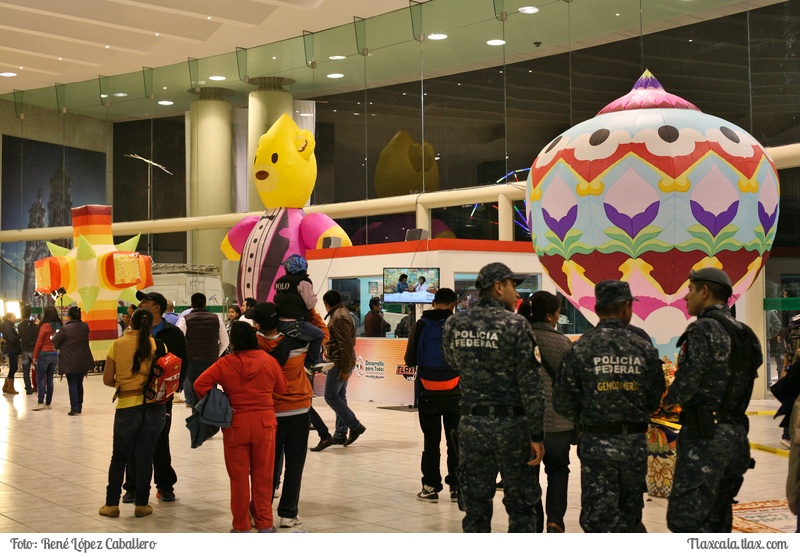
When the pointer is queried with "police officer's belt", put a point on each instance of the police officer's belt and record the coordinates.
(615, 429)
(503, 411)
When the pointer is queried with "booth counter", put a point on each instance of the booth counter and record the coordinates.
(381, 375)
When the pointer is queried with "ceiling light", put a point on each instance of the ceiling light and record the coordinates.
(120, 94)
(337, 57)
(496, 42)
(274, 57)
(335, 75)
(60, 58)
(108, 46)
(306, 114)
(103, 96)
(217, 78)
(166, 103)
(528, 10)
(209, 18)
(437, 36)
(8, 74)
(158, 34)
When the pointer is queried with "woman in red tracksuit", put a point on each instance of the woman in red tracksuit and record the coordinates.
(249, 376)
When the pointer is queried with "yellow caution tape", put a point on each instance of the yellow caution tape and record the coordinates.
(768, 449)
(760, 413)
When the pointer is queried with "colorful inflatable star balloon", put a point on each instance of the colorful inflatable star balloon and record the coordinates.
(646, 191)
(95, 274)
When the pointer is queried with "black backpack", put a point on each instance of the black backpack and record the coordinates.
(744, 360)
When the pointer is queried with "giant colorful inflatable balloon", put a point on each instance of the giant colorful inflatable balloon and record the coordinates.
(284, 170)
(645, 191)
(95, 273)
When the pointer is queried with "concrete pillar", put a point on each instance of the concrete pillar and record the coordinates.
(264, 107)
(210, 172)
(505, 218)
(750, 310)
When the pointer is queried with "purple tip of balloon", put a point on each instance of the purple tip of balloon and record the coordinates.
(647, 92)
(647, 81)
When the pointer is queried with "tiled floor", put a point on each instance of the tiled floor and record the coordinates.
(53, 475)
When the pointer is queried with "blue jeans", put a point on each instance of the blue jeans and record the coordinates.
(75, 383)
(336, 398)
(137, 427)
(27, 358)
(307, 332)
(45, 370)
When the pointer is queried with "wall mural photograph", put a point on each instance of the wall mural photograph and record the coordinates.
(41, 183)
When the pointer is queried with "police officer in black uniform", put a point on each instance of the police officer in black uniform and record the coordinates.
(610, 382)
(502, 403)
(713, 452)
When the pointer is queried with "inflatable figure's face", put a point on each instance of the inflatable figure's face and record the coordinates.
(285, 168)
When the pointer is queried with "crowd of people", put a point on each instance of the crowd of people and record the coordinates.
(510, 393)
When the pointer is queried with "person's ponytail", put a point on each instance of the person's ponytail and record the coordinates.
(142, 321)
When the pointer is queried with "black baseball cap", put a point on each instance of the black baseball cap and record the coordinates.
(155, 297)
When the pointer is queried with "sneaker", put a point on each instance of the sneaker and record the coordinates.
(166, 495)
(428, 494)
(235, 531)
(111, 511)
(355, 434)
(785, 443)
(323, 367)
(48, 407)
(290, 522)
(276, 493)
(324, 444)
(177, 399)
(499, 486)
(129, 497)
(39, 406)
(142, 510)
(454, 495)
(270, 530)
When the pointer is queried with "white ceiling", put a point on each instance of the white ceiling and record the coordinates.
(65, 41)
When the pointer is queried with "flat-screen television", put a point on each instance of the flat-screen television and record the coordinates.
(418, 287)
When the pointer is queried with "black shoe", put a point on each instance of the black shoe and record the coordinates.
(166, 495)
(322, 445)
(339, 440)
(355, 434)
(73, 413)
(129, 497)
(500, 485)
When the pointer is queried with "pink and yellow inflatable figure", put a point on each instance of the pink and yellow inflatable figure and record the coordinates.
(646, 191)
(95, 274)
(285, 170)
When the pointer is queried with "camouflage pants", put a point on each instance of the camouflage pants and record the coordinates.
(708, 475)
(488, 445)
(613, 478)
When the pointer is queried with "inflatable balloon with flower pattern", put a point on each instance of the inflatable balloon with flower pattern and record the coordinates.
(646, 191)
